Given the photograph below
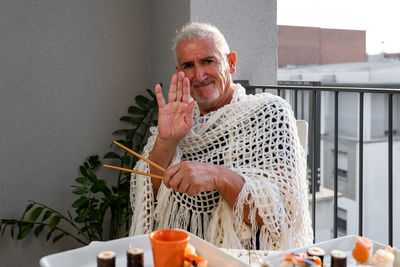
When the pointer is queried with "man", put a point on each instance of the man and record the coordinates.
(235, 168)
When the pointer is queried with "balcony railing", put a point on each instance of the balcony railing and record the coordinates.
(307, 99)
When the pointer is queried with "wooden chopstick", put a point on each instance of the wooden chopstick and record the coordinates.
(141, 157)
(133, 171)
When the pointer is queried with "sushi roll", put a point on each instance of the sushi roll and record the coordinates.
(287, 260)
(362, 250)
(338, 258)
(316, 251)
(106, 259)
(313, 261)
(384, 257)
(134, 257)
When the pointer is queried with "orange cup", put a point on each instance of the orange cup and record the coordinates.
(168, 246)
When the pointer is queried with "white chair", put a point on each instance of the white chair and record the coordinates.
(302, 131)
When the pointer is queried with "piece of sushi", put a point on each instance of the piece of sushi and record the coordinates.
(135, 257)
(287, 260)
(384, 257)
(338, 258)
(362, 250)
(313, 261)
(316, 251)
(106, 259)
(192, 260)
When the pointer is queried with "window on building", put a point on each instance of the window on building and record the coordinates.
(342, 164)
(342, 222)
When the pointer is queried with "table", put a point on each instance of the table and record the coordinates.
(250, 257)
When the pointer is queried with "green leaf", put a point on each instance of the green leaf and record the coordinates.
(54, 222)
(82, 216)
(136, 110)
(83, 170)
(151, 93)
(46, 215)
(132, 120)
(39, 229)
(24, 231)
(49, 234)
(35, 214)
(69, 215)
(55, 239)
(83, 180)
(81, 202)
(28, 207)
(80, 191)
(12, 230)
(123, 131)
(112, 155)
(91, 176)
(141, 99)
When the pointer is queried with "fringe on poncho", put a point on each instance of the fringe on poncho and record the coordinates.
(256, 137)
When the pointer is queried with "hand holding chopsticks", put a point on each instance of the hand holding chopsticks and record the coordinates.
(141, 157)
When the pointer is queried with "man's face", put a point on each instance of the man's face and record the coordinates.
(208, 71)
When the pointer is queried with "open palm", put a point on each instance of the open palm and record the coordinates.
(175, 118)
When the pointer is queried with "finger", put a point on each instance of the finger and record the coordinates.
(189, 114)
(191, 191)
(172, 89)
(176, 181)
(159, 96)
(186, 90)
(179, 91)
(169, 174)
(184, 186)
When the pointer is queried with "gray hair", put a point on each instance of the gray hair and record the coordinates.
(199, 31)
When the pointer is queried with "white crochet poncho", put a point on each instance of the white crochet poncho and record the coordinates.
(256, 137)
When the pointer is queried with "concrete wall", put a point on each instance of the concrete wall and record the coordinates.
(167, 16)
(250, 30)
(68, 71)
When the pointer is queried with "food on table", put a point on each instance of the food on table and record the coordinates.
(134, 257)
(106, 259)
(362, 250)
(338, 258)
(316, 251)
(191, 258)
(300, 260)
(287, 260)
(384, 257)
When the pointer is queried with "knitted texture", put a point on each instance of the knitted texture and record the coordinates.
(256, 137)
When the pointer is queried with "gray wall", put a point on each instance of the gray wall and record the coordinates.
(167, 16)
(250, 30)
(68, 71)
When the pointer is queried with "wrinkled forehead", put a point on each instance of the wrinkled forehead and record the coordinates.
(190, 50)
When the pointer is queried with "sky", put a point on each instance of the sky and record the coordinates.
(379, 18)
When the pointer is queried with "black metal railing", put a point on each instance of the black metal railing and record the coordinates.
(314, 91)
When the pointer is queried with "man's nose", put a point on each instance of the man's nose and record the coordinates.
(199, 73)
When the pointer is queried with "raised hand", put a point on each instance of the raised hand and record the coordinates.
(175, 118)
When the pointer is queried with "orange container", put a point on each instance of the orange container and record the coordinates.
(168, 246)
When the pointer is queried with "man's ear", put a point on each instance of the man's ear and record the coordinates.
(232, 62)
(177, 69)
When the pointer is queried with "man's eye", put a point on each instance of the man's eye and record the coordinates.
(208, 61)
(187, 66)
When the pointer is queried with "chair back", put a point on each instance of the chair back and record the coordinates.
(302, 131)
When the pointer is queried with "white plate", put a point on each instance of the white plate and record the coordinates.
(345, 244)
(86, 256)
